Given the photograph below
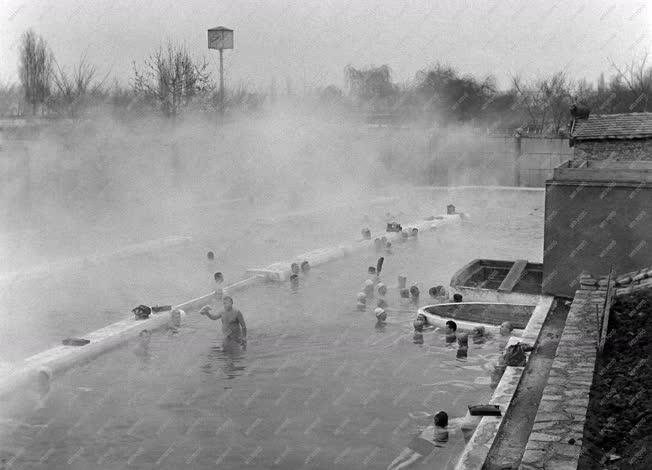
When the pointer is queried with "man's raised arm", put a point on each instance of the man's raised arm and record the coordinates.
(206, 310)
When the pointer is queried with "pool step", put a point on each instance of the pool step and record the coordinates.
(513, 276)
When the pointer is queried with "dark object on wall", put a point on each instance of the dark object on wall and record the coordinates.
(484, 410)
(75, 342)
(394, 227)
(142, 312)
(161, 308)
(579, 111)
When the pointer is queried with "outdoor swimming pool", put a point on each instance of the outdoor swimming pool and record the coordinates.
(318, 387)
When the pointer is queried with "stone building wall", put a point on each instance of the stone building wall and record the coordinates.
(617, 149)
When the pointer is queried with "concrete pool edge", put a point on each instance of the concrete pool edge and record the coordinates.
(476, 450)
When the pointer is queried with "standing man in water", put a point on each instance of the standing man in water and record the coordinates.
(234, 328)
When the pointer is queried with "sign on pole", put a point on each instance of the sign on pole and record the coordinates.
(220, 38)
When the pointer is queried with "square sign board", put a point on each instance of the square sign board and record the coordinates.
(220, 38)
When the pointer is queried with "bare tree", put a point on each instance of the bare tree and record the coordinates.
(171, 79)
(35, 69)
(637, 78)
(546, 101)
(11, 99)
(74, 90)
(372, 86)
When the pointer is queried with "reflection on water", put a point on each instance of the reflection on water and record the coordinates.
(229, 357)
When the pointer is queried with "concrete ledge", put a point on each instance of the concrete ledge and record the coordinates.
(476, 451)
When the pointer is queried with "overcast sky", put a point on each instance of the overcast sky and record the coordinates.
(313, 40)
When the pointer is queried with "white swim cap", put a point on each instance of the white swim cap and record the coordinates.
(362, 296)
(380, 313)
(368, 282)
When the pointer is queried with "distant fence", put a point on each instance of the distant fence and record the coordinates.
(538, 158)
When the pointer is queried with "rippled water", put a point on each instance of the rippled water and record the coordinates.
(319, 386)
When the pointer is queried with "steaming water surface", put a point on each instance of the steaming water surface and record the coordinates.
(320, 386)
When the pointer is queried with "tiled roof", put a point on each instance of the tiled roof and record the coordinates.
(614, 126)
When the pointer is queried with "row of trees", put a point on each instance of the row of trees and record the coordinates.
(440, 93)
(172, 81)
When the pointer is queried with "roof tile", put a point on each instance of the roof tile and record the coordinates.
(614, 126)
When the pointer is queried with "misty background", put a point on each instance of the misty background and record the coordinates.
(112, 133)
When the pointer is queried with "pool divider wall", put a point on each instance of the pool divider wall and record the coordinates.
(280, 271)
(56, 360)
(477, 449)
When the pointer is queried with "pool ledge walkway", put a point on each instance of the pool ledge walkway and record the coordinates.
(556, 438)
(476, 451)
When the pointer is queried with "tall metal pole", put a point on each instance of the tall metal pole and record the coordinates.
(221, 83)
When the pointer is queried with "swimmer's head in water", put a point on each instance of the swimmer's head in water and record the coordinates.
(294, 268)
(414, 291)
(219, 277)
(506, 328)
(305, 266)
(380, 313)
(478, 331)
(145, 334)
(433, 291)
(294, 278)
(415, 232)
(382, 289)
(362, 297)
(451, 325)
(210, 255)
(405, 293)
(371, 270)
(457, 298)
(175, 318)
(227, 301)
(441, 419)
